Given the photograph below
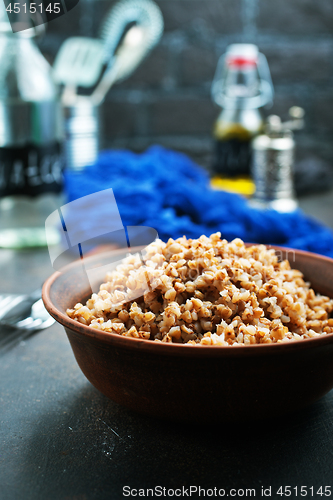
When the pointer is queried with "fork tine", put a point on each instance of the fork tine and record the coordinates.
(29, 323)
(4, 300)
(24, 323)
(9, 302)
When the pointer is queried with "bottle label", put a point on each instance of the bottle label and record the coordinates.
(31, 170)
(232, 158)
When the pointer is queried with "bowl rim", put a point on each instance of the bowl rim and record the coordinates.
(172, 348)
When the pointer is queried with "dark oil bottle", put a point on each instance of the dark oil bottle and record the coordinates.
(241, 87)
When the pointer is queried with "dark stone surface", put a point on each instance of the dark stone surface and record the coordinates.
(198, 65)
(312, 175)
(153, 72)
(299, 62)
(296, 17)
(323, 110)
(219, 16)
(121, 119)
(184, 115)
(314, 147)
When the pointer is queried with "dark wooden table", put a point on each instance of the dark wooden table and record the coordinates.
(61, 439)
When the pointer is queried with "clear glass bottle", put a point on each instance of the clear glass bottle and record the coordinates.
(241, 86)
(30, 140)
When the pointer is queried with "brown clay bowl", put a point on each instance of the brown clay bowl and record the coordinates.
(192, 383)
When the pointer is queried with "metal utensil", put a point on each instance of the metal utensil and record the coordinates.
(78, 63)
(124, 57)
(128, 56)
(20, 317)
(39, 319)
(140, 13)
(129, 33)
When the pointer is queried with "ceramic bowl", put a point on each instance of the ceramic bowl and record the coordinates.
(191, 383)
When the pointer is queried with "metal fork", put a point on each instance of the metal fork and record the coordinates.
(19, 324)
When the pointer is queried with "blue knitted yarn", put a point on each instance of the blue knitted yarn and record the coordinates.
(165, 190)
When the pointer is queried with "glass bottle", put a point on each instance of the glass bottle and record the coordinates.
(30, 140)
(241, 86)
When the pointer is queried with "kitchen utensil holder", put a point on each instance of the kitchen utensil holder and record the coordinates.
(82, 132)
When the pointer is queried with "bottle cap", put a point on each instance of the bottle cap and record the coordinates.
(229, 91)
(241, 54)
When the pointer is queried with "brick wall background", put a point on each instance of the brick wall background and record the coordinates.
(167, 100)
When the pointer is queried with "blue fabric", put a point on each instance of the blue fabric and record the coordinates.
(165, 190)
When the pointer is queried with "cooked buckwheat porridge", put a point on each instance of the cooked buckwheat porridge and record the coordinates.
(207, 291)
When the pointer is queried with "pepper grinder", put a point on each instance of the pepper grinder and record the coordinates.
(273, 162)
